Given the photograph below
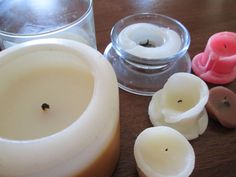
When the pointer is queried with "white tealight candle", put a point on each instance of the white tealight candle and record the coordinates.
(149, 41)
(59, 111)
(163, 152)
(181, 105)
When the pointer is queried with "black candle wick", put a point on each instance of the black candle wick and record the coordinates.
(226, 102)
(146, 44)
(45, 106)
(180, 101)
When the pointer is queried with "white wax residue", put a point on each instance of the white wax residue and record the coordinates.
(165, 42)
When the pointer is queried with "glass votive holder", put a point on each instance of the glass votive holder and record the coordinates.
(22, 21)
(146, 49)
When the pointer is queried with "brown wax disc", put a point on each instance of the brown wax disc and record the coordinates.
(222, 106)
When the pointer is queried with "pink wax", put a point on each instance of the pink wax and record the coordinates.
(217, 64)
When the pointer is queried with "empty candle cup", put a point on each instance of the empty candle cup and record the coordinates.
(181, 105)
(22, 21)
(217, 64)
(146, 49)
(163, 152)
(59, 111)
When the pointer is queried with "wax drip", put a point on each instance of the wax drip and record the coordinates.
(226, 102)
(45, 106)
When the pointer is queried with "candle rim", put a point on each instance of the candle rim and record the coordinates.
(200, 104)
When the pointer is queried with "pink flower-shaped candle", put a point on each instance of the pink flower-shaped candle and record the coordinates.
(217, 64)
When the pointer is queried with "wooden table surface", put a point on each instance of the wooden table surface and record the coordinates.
(215, 150)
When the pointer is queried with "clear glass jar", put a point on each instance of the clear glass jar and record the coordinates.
(144, 73)
(24, 20)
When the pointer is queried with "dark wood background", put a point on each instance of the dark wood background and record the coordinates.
(215, 150)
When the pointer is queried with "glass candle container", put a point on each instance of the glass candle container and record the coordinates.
(146, 49)
(24, 20)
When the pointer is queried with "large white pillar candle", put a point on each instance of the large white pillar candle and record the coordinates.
(163, 152)
(181, 105)
(149, 41)
(59, 111)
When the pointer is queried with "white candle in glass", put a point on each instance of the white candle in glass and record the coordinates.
(149, 41)
(59, 111)
(181, 105)
(163, 152)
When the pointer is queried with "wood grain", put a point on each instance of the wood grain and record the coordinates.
(216, 149)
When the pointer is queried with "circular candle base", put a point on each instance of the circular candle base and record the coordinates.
(142, 79)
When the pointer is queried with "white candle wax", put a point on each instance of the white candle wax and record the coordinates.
(79, 133)
(149, 41)
(162, 151)
(181, 105)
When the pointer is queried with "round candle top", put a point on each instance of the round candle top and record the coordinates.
(149, 41)
(59, 111)
(221, 105)
(162, 151)
(39, 98)
(217, 64)
(180, 105)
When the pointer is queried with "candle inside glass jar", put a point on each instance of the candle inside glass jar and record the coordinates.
(146, 40)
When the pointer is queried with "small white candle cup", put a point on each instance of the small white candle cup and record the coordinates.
(78, 135)
(21, 21)
(181, 105)
(163, 152)
(146, 49)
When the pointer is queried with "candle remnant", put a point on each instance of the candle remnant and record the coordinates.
(217, 64)
(222, 106)
(181, 106)
(149, 41)
(153, 158)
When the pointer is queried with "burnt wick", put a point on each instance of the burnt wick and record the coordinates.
(226, 102)
(45, 106)
(180, 101)
(225, 46)
(166, 149)
(147, 44)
